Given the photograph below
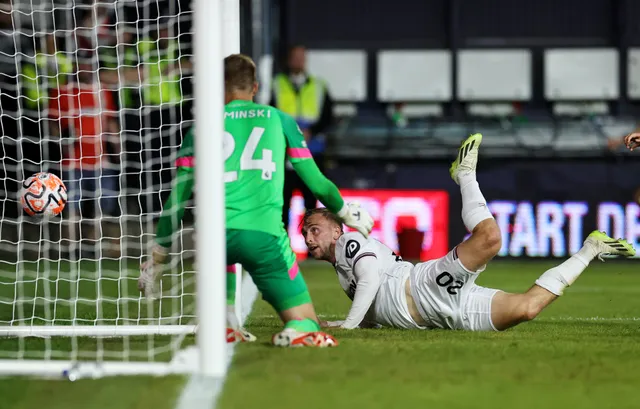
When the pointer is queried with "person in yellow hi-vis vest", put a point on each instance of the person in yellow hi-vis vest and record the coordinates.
(41, 74)
(151, 81)
(306, 98)
(49, 70)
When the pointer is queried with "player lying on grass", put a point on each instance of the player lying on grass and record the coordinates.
(256, 140)
(441, 293)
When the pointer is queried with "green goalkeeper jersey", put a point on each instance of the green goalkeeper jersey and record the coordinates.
(256, 140)
(186, 152)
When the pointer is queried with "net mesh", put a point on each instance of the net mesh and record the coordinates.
(98, 93)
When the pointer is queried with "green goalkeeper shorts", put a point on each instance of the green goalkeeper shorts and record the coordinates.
(272, 266)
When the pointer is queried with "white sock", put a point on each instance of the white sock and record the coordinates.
(232, 319)
(474, 205)
(560, 277)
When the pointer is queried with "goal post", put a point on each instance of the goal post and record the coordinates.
(210, 242)
(69, 303)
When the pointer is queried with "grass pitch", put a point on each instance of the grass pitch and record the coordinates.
(582, 352)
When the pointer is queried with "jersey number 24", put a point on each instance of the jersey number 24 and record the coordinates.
(247, 162)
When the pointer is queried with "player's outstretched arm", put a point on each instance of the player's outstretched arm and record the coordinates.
(326, 191)
(632, 141)
(366, 271)
(322, 188)
(174, 207)
(172, 214)
(367, 322)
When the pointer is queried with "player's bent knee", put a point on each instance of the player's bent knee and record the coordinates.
(493, 239)
(490, 237)
(529, 310)
(509, 310)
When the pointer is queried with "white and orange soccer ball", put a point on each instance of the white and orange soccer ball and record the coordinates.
(43, 194)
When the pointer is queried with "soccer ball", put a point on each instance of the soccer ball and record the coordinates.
(43, 194)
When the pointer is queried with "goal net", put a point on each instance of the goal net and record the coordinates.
(99, 93)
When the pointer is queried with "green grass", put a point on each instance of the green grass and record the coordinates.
(89, 293)
(582, 352)
(108, 393)
(63, 292)
(565, 359)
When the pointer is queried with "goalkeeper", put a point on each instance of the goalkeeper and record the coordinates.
(256, 139)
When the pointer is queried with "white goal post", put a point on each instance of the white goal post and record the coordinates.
(69, 304)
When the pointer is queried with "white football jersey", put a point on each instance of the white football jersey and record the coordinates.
(390, 305)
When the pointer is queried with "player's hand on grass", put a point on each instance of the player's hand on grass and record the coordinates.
(151, 272)
(357, 218)
(331, 324)
(632, 140)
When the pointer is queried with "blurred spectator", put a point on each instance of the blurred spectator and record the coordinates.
(120, 70)
(306, 98)
(87, 117)
(48, 70)
(5, 14)
(9, 44)
(153, 116)
(95, 28)
(41, 74)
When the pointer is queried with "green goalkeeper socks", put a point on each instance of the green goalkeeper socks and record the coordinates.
(306, 325)
(232, 320)
(231, 285)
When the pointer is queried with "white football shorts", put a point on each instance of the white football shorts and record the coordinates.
(447, 297)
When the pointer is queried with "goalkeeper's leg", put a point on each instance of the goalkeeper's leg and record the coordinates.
(273, 268)
(235, 332)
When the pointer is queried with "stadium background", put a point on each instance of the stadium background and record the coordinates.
(541, 146)
(545, 169)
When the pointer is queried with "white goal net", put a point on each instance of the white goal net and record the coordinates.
(100, 94)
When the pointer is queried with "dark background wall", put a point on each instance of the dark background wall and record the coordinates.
(455, 24)
(439, 23)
